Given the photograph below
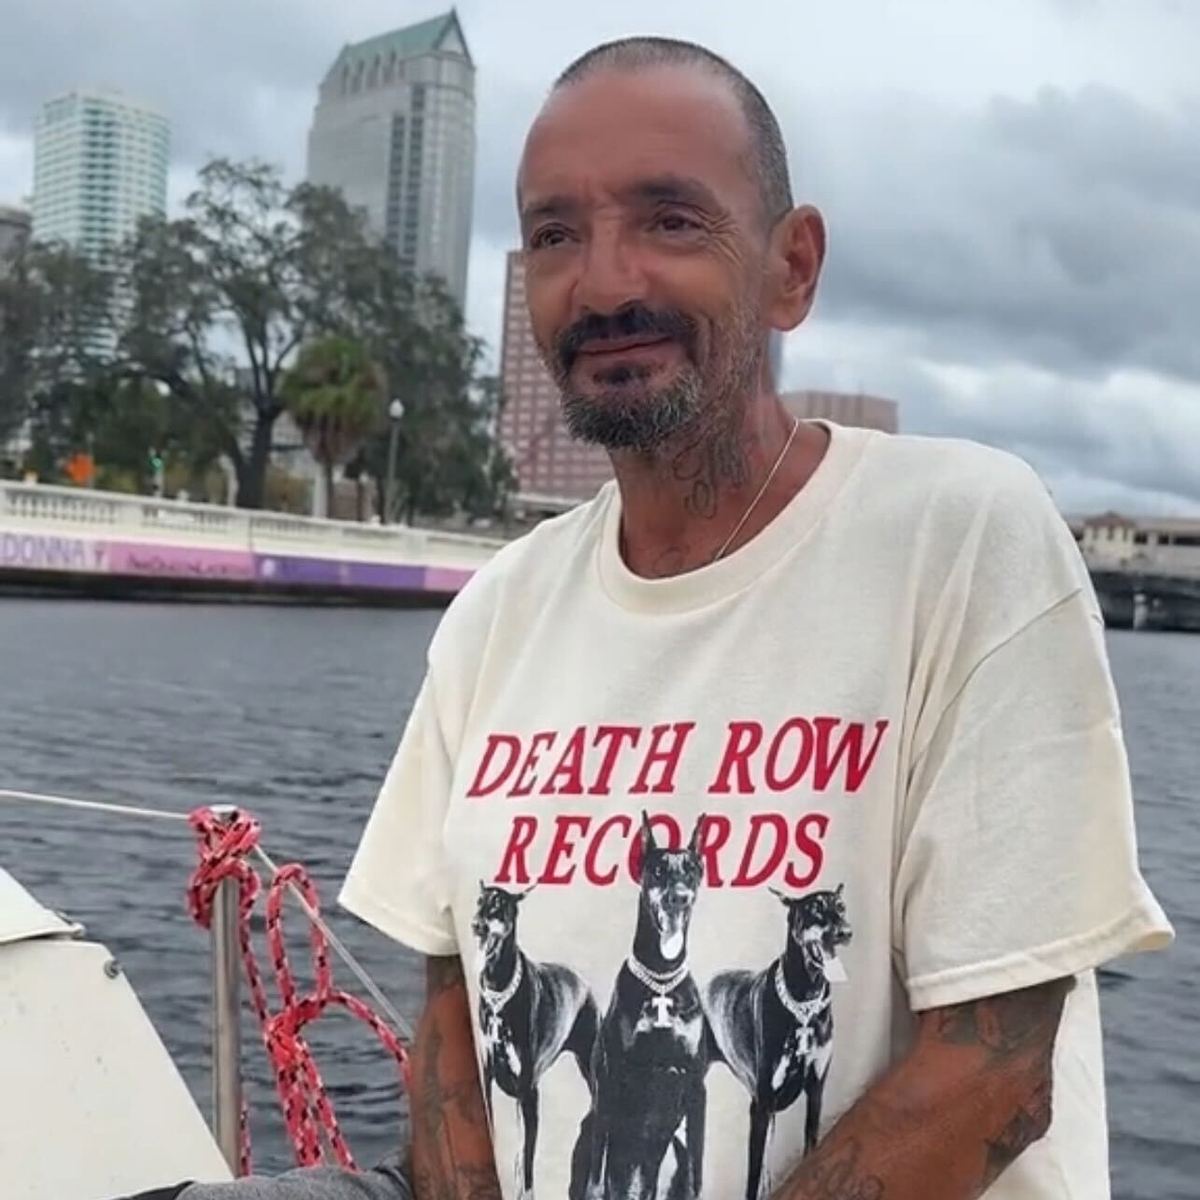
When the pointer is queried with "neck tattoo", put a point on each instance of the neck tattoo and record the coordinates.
(762, 491)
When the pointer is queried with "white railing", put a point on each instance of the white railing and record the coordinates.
(36, 507)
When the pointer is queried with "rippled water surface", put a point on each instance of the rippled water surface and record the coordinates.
(295, 713)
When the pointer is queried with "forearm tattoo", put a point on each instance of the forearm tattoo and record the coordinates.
(451, 1157)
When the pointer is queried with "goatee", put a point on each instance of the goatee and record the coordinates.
(618, 420)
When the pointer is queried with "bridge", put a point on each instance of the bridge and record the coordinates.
(60, 539)
(55, 539)
(1134, 597)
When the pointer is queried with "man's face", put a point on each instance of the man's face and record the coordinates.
(644, 244)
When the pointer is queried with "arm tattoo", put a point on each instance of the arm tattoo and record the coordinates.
(452, 1157)
(1017, 1031)
(442, 974)
(835, 1172)
(951, 1117)
(1009, 1024)
(1028, 1124)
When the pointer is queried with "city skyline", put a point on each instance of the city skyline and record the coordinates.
(1014, 219)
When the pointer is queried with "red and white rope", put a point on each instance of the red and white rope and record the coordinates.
(224, 845)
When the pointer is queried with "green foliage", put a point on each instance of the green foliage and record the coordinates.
(202, 330)
(55, 333)
(336, 396)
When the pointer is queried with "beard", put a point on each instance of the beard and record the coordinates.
(627, 411)
(625, 417)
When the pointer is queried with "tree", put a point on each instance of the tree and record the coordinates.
(56, 339)
(336, 395)
(220, 300)
(414, 329)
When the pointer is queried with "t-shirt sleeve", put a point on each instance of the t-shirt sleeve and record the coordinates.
(1019, 863)
(398, 879)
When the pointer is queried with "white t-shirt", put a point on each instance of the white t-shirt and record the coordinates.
(880, 754)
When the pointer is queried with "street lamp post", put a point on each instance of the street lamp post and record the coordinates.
(395, 413)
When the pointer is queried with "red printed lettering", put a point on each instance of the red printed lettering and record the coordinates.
(538, 745)
(563, 846)
(512, 865)
(809, 844)
(714, 833)
(613, 736)
(850, 747)
(590, 870)
(742, 739)
(567, 778)
(746, 877)
(666, 746)
(495, 743)
(785, 766)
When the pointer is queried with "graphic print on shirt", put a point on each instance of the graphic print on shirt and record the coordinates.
(774, 1028)
(529, 1014)
(757, 823)
(652, 1050)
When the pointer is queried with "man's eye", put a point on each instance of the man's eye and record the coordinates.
(546, 239)
(674, 223)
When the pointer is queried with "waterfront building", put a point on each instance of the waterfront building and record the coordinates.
(1111, 541)
(394, 131)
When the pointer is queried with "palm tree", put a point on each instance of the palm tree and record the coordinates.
(335, 394)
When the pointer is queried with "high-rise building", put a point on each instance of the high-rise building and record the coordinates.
(99, 166)
(844, 408)
(549, 464)
(14, 231)
(394, 130)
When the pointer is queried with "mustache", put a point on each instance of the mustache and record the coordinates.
(634, 320)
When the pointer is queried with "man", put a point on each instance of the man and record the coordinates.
(764, 820)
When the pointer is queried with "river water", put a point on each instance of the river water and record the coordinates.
(295, 712)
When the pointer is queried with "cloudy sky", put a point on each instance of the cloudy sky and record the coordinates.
(1012, 190)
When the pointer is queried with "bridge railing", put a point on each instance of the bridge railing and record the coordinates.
(47, 508)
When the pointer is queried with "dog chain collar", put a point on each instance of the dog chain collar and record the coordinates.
(497, 1000)
(662, 983)
(802, 1010)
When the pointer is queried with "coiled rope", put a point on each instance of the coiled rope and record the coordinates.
(224, 843)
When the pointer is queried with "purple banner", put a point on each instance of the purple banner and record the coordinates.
(328, 572)
(58, 553)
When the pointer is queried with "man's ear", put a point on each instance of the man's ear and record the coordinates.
(796, 256)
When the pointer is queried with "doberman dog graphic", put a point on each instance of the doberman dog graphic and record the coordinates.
(651, 1052)
(775, 1028)
(529, 1014)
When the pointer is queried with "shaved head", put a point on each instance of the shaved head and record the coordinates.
(767, 150)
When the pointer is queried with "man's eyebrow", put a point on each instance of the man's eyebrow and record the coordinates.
(548, 206)
(681, 189)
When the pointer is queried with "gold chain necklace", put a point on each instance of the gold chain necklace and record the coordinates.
(762, 491)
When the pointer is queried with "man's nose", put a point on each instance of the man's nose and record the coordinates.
(611, 274)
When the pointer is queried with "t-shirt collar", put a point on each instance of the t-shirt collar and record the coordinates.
(709, 584)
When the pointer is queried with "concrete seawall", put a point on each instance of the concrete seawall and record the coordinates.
(67, 541)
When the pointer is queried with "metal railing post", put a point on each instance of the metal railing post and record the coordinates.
(226, 1011)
